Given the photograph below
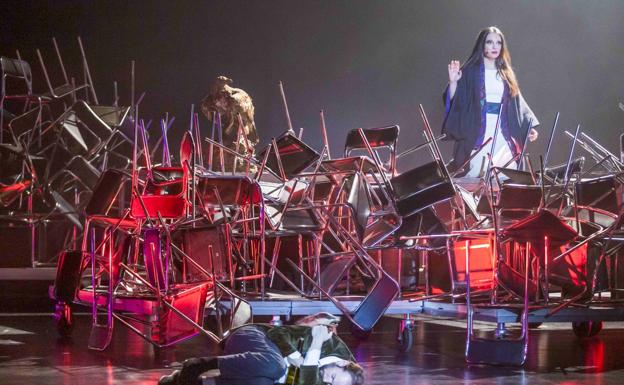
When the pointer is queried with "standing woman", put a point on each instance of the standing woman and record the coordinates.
(477, 91)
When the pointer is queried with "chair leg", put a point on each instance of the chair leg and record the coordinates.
(101, 334)
(276, 249)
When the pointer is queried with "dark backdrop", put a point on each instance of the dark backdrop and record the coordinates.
(366, 63)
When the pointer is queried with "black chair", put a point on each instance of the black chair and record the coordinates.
(598, 200)
(557, 172)
(17, 71)
(294, 157)
(421, 187)
(378, 138)
(65, 88)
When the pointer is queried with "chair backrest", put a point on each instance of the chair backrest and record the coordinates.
(383, 137)
(111, 115)
(89, 117)
(67, 209)
(186, 150)
(153, 258)
(380, 229)
(166, 181)
(301, 220)
(18, 69)
(351, 164)
(558, 172)
(165, 194)
(416, 179)
(77, 173)
(25, 124)
(295, 156)
(105, 192)
(374, 305)
(425, 222)
(359, 199)
(233, 190)
(78, 137)
(80, 168)
(599, 197)
(519, 197)
(539, 225)
(516, 176)
(333, 273)
(420, 188)
(11, 158)
(377, 137)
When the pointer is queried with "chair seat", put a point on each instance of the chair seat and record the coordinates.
(63, 90)
(351, 164)
(114, 221)
(376, 302)
(233, 190)
(424, 198)
(534, 228)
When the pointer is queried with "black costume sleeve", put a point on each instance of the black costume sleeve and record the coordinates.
(284, 339)
(463, 119)
(520, 115)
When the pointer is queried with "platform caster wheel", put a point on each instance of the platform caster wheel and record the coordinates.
(586, 329)
(64, 319)
(405, 338)
(535, 325)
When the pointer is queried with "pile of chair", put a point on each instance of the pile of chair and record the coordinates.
(164, 247)
(54, 146)
(538, 240)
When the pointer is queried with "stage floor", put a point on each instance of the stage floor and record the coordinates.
(32, 353)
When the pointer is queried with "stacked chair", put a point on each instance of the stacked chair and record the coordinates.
(161, 247)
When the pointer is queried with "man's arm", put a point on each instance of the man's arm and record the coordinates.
(309, 370)
(285, 341)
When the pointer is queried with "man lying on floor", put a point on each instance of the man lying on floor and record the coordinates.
(259, 354)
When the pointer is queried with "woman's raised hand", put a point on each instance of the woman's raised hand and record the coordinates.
(454, 71)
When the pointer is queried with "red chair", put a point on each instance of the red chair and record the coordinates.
(164, 194)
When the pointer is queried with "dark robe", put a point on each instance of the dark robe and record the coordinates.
(463, 122)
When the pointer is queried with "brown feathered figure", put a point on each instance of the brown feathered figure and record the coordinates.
(230, 102)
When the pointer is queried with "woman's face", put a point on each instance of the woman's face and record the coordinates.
(493, 46)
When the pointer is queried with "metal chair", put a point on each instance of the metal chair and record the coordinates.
(507, 351)
(238, 204)
(17, 69)
(380, 293)
(420, 188)
(378, 138)
(288, 156)
(66, 88)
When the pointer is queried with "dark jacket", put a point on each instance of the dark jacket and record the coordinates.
(464, 121)
(286, 338)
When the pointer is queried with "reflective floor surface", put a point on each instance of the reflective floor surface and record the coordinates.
(32, 353)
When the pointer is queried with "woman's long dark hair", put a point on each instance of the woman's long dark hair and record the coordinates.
(503, 61)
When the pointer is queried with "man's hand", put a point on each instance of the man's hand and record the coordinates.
(295, 361)
(320, 334)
